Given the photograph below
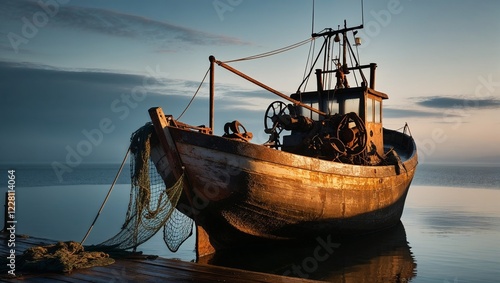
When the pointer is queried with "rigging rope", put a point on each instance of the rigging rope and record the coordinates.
(192, 98)
(312, 66)
(305, 77)
(258, 56)
(273, 52)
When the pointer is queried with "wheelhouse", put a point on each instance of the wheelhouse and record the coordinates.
(364, 101)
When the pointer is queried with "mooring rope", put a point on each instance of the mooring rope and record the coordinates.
(107, 196)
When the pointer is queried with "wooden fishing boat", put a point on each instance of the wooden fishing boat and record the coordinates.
(336, 172)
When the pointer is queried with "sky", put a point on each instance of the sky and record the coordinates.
(77, 77)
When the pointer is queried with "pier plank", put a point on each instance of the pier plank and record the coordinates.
(138, 270)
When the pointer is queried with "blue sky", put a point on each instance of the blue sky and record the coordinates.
(83, 73)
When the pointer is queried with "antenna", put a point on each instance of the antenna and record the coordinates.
(312, 25)
(362, 14)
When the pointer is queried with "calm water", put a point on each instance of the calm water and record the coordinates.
(450, 229)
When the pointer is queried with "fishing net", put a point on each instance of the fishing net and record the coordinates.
(152, 204)
(61, 257)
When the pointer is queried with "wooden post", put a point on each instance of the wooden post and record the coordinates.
(345, 69)
(319, 81)
(373, 66)
(160, 124)
(212, 92)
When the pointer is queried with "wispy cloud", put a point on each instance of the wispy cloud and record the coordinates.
(444, 102)
(159, 33)
(248, 100)
(442, 106)
(409, 113)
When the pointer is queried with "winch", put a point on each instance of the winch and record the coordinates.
(335, 137)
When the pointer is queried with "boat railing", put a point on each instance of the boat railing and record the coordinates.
(402, 140)
(177, 124)
(371, 66)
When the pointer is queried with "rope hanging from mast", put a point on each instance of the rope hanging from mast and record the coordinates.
(312, 66)
(273, 52)
(310, 59)
(257, 56)
(325, 33)
(192, 98)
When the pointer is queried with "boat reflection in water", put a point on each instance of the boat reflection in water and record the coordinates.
(380, 257)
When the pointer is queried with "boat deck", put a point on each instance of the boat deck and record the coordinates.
(137, 270)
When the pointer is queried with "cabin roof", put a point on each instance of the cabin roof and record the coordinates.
(378, 93)
(341, 92)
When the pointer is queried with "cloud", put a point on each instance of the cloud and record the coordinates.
(407, 113)
(250, 100)
(440, 106)
(46, 109)
(444, 102)
(413, 113)
(117, 24)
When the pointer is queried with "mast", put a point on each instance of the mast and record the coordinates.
(331, 32)
(344, 55)
(212, 92)
(342, 66)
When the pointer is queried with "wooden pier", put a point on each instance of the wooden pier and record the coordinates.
(142, 269)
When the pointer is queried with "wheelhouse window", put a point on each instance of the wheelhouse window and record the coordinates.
(308, 113)
(351, 105)
(369, 110)
(333, 106)
(378, 111)
(330, 106)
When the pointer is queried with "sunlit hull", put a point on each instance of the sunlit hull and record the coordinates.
(241, 193)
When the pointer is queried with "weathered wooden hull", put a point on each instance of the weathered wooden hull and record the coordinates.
(241, 192)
